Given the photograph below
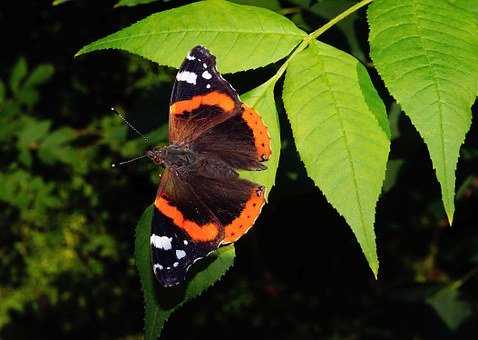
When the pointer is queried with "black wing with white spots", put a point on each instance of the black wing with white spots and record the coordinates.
(173, 251)
(183, 230)
(200, 98)
(198, 75)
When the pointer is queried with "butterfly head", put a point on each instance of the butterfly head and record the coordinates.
(172, 156)
(157, 155)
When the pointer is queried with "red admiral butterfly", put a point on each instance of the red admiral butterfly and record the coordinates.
(202, 203)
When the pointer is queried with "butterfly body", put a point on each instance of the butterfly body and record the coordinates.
(183, 161)
(176, 158)
(202, 202)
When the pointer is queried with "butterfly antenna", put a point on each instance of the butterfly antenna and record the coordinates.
(114, 165)
(146, 139)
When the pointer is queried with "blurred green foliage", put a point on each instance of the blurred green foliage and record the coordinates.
(48, 239)
(53, 225)
(67, 219)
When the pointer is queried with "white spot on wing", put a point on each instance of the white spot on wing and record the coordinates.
(206, 75)
(204, 65)
(175, 264)
(185, 242)
(157, 266)
(208, 86)
(188, 77)
(161, 242)
(180, 254)
(190, 57)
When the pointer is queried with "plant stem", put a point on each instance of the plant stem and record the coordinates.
(338, 18)
(468, 276)
(315, 34)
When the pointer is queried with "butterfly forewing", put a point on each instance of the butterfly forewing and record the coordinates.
(200, 98)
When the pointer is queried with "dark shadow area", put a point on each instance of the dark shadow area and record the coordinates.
(67, 218)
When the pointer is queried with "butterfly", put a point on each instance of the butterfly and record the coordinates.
(202, 203)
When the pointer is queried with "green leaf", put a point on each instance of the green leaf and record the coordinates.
(427, 54)
(372, 99)
(32, 132)
(159, 135)
(393, 170)
(273, 5)
(2, 93)
(466, 188)
(299, 20)
(59, 2)
(339, 127)
(262, 100)
(19, 72)
(469, 5)
(162, 302)
(55, 147)
(40, 75)
(270, 4)
(10, 125)
(27, 96)
(448, 305)
(241, 37)
(114, 133)
(131, 3)
(394, 120)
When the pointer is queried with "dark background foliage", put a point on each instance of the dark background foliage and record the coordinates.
(67, 218)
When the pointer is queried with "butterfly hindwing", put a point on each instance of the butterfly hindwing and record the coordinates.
(195, 215)
(235, 202)
(183, 230)
(242, 141)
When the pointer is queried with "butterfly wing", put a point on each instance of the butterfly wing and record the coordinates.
(206, 111)
(200, 98)
(183, 230)
(193, 217)
(235, 202)
(242, 141)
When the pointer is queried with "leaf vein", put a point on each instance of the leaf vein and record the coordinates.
(350, 161)
(217, 31)
(435, 82)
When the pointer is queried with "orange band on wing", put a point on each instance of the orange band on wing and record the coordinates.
(259, 129)
(206, 232)
(240, 225)
(214, 98)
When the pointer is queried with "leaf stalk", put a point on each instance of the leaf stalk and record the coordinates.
(315, 34)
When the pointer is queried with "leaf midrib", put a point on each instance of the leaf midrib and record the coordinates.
(419, 30)
(349, 154)
(263, 94)
(134, 36)
(152, 330)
